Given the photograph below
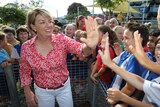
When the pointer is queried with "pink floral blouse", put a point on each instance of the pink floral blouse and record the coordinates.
(52, 70)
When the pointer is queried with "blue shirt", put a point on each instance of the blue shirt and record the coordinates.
(18, 48)
(131, 65)
(3, 56)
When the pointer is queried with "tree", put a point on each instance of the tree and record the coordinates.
(109, 4)
(36, 3)
(76, 9)
(12, 16)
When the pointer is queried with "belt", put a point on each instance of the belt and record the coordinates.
(54, 88)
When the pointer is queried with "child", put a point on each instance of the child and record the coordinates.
(4, 57)
(22, 36)
(119, 30)
(69, 30)
(10, 35)
(56, 29)
(126, 59)
(151, 88)
(99, 70)
(4, 60)
(78, 35)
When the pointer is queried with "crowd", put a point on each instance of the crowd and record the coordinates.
(124, 58)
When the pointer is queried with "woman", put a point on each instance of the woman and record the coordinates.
(80, 23)
(45, 54)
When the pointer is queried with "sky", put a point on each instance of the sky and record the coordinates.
(57, 8)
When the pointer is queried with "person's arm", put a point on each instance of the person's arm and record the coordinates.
(140, 54)
(25, 77)
(117, 95)
(30, 97)
(100, 72)
(128, 89)
(93, 71)
(86, 49)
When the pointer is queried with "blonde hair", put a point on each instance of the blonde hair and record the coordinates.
(99, 20)
(117, 27)
(78, 32)
(83, 34)
(2, 36)
(32, 14)
(70, 25)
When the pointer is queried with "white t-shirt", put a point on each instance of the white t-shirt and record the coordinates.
(14, 54)
(152, 91)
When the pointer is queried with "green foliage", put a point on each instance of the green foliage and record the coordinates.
(12, 15)
(109, 4)
(15, 14)
(74, 9)
(36, 3)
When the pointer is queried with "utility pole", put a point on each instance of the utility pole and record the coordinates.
(78, 10)
(93, 9)
(57, 12)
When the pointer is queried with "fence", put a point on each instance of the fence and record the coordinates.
(85, 94)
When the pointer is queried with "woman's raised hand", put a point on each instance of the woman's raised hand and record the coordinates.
(92, 33)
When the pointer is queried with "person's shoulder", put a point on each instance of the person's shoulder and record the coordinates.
(55, 37)
(10, 46)
(124, 54)
(17, 45)
(2, 51)
(150, 56)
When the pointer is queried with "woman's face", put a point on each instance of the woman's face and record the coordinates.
(43, 25)
(82, 23)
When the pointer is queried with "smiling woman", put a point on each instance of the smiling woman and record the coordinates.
(46, 55)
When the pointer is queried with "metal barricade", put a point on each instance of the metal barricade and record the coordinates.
(10, 86)
(85, 94)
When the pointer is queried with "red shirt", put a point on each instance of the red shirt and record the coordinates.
(106, 76)
(50, 71)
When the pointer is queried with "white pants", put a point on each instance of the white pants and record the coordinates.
(47, 97)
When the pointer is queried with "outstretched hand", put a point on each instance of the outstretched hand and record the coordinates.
(105, 56)
(92, 33)
(138, 49)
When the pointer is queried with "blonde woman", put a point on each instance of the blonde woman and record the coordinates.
(45, 54)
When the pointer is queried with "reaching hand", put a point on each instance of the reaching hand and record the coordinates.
(4, 64)
(114, 94)
(117, 48)
(105, 56)
(138, 49)
(110, 101)
(94, 80)
(92, 33)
